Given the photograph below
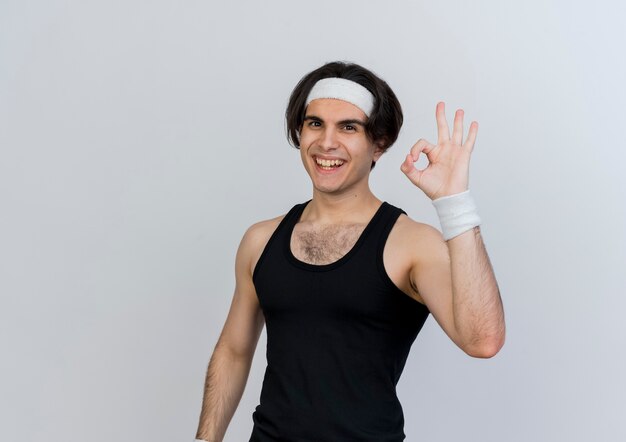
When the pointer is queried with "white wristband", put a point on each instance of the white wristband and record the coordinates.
(457, 214)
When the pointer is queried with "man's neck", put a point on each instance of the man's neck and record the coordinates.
(347, 208)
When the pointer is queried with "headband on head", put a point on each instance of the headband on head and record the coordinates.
(342, 89)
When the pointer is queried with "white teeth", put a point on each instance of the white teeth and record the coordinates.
(328, 163)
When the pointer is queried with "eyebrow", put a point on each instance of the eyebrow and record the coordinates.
(340, 123)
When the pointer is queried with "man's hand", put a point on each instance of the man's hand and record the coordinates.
(447, 172)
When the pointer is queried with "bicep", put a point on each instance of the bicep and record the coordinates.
(431, 277)
(243, 325)
(245, 319)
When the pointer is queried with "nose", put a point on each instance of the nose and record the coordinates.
(328, 139)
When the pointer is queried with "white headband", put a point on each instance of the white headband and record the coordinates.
(342, 89)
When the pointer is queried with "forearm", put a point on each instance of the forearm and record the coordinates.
(225, 382)
(477, 306)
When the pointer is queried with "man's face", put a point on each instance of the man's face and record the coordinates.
(335, 150)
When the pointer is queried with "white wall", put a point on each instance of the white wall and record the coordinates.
(140, 139)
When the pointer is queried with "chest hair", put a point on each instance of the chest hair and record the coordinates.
(325, 244)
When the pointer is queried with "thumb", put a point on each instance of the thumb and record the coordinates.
(409, 169)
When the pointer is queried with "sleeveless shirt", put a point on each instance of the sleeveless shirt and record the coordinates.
(338, 336)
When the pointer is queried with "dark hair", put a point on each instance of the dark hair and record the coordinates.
(385, 121)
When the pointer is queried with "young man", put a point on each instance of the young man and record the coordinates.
(344, 282)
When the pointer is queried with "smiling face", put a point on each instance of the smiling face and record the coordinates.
(335, 149)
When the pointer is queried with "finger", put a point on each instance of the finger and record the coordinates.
(409, 169)
(442, 124)
(457, 132)
(421, 146)
(407, 164)
(471, 136)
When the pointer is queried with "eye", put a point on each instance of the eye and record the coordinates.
(314, 123)
(350, 128)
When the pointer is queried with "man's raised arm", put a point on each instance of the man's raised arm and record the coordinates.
(457, 282)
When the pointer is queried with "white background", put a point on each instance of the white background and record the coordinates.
(140, 139)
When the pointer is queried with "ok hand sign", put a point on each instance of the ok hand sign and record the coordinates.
(447, 172)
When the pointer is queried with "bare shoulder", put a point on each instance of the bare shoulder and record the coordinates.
(409, 230)
(411, 245)
(412, 242)
(258, 234)
(255, 239)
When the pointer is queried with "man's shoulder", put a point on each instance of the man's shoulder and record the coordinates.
(262, 229)
(412, 243)
(258, 234)
(256, 238)
(408, 226)
(414, 236)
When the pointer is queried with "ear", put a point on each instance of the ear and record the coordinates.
(378, 151)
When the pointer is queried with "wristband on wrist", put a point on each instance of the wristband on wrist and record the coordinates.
(457, 214)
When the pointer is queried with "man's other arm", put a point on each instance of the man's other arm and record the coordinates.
(230, 363)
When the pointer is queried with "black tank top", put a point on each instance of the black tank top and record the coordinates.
(338, 336)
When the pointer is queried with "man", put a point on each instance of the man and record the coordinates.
(344, 282)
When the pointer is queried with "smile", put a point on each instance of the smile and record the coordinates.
(328, 164)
